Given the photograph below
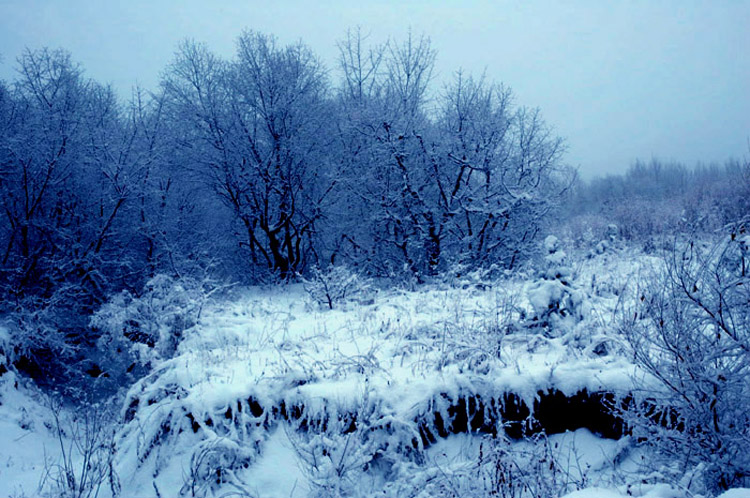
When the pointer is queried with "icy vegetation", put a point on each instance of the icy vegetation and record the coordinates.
(471, 387)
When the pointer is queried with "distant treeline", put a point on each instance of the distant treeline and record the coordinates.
(659, 199)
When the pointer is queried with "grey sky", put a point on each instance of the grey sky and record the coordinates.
(619, 80)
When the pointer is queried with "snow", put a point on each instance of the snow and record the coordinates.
(265, 477)
(265, 384)
(594, 493)
(26, 441)
(736, 493)
(397, 360)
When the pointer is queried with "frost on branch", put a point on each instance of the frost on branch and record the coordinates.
(335, 285)
(689, 331)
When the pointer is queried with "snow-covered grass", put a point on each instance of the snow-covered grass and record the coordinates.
(271, 393)
(390, 374)
(50, 450)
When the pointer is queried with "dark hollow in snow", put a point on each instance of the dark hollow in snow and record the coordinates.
(552, 412)
(556, 413)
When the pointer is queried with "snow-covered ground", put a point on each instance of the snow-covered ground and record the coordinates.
(25, 439)
(271, 395)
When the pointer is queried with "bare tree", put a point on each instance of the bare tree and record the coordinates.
(468, 181)
(39, 154)
(361, 68)
(73, 167)
(382, 116)
(261, 120)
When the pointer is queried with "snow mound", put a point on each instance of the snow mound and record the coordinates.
(395, 374)
(736, 493)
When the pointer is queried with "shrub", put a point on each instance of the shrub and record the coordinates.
(149, 327)
(555, 301)
(689, 329)
(46, 337)
(87, 451)
(334, 286)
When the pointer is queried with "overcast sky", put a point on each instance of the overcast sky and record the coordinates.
(619, 80)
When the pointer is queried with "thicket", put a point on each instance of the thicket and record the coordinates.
(260, 168)
(688, 329)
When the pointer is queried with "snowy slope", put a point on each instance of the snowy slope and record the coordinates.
(28, 444)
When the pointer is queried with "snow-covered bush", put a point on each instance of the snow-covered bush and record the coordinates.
(46, 336)
(463, 276)
(148, 328)
(609, 241)
(338, 455)
(335, 285)
(333, 461)
(690, 330)
(585, 230)
(213, 464)
(555, 301)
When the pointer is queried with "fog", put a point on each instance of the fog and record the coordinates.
(618, 81)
